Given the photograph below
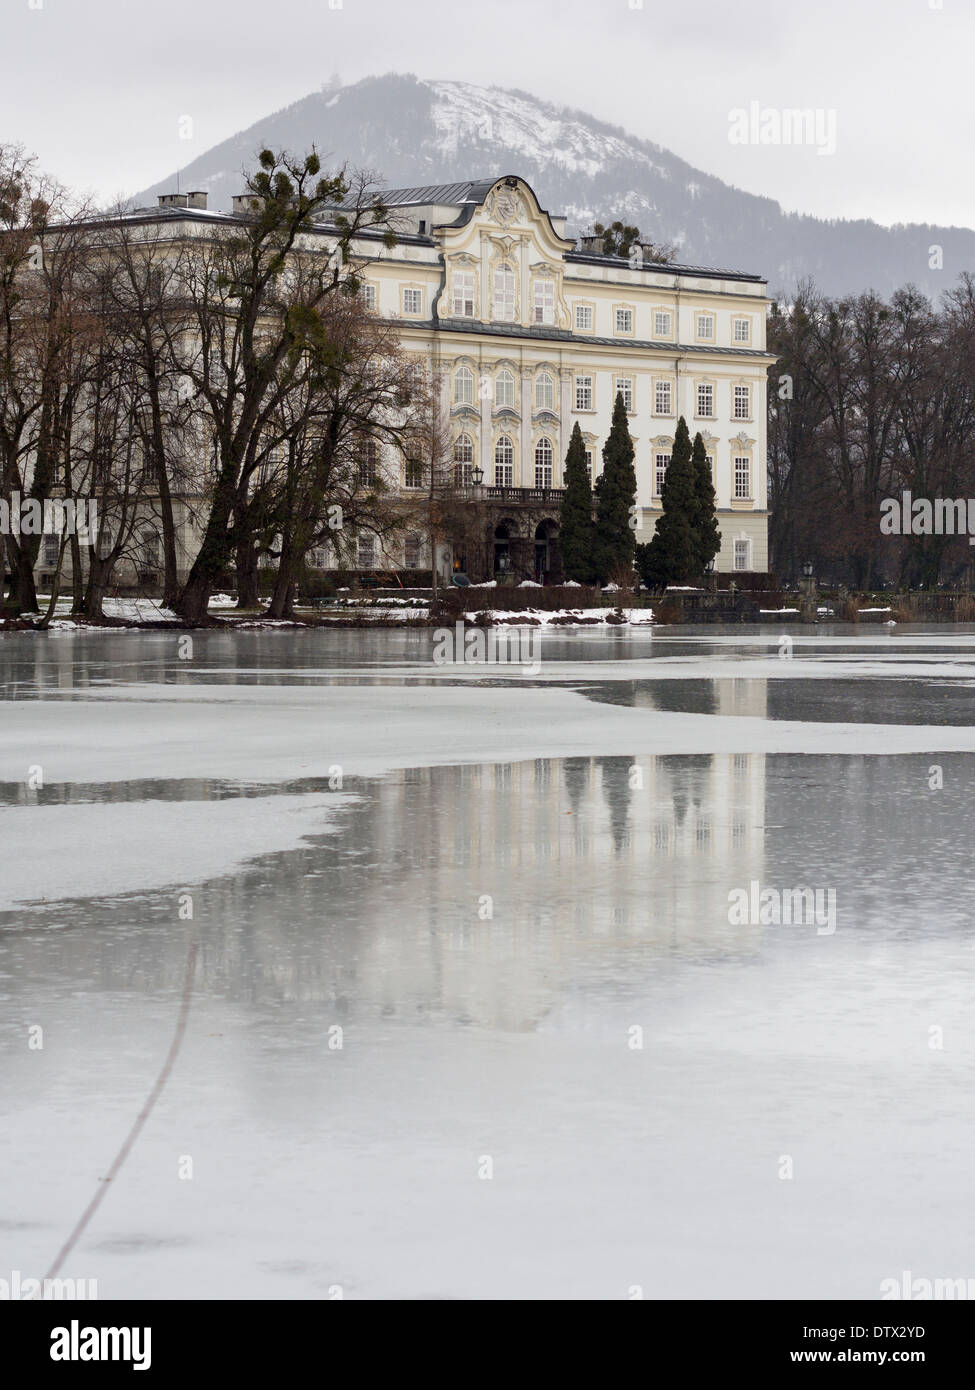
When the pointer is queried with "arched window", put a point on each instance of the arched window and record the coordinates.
(463, 386)
(463, 460)
(504, 293)
(504, 388)
(504, 463)
(544, 455)
(544, 392)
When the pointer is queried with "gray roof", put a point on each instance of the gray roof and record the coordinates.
(470, 191)
(664, 267)
(549, 333)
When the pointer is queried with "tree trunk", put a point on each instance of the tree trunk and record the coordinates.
(247, 590)
(283, 597)
(99, 573)
(77, 576)
(55, 587)
(213, 556)
(170, 572)
(23, 591)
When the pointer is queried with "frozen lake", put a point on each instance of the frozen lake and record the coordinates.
(564, 1071)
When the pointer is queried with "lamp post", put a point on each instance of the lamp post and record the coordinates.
(477, 478)
(807, 594)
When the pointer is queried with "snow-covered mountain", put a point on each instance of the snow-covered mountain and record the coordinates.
(412, 131)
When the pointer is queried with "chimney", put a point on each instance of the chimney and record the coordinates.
(592, 245)
(172, 200)
(197, 200)
(247, 203)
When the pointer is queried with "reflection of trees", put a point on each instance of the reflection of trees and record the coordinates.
(379, 918)
(577, 775)
(615, 781)
(685, 697)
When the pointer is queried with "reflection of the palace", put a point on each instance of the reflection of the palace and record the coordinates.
(487, 893)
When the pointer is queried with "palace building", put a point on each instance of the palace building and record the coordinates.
(524, 331)
(528, 331)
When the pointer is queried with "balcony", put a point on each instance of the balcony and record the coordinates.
(544, 496)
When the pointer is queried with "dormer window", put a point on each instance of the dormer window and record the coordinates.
(504, 294)
(544, 301)
(462, 299)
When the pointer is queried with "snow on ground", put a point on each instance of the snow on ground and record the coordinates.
(138, 610)
(540, 617)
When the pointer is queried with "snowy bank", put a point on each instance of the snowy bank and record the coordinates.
(560, 617)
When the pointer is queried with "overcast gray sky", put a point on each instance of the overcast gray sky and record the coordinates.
(97, 87)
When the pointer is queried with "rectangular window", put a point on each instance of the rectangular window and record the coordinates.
(544, 301)
(624, 320)
(414, 473)
(705, 326)
(663, 398)
(705, 400)
(543, 474)
(710, 463)
(589, 464)
(369, 296)
(743, 402)
(504, 294)
(504, 475)
(413, 551)
(463, 296)
(366, 551)
(583, 393)
(743, 477)
(584, 317)
(624, 388)
(741, 555)
(742, 330)
(412, 301)
(660, 463)
(661, 324)
(368, 462)
(504, 390)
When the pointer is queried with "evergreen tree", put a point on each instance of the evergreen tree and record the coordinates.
(615, 542)
(673, 554)
(705, 519)
(576, 531)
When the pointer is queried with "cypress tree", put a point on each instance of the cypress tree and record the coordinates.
(674, 551)
(705, 519)
(576, 529)
(615, 543)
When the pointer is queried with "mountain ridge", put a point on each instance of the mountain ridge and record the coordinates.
(414, 131)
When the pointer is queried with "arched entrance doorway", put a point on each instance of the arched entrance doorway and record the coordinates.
(546, 550)
(504, 533)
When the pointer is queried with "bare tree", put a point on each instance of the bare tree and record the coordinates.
(254, 290)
